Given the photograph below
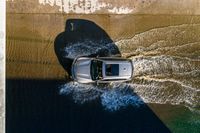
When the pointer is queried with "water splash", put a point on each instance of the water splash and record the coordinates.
(89, 47)
(80, 93)
(118, 98)
(166, 64)
(166, 70)
(113, 97)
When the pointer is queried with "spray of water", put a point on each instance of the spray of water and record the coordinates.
(166, 70)
(113, 97)
(88, 48)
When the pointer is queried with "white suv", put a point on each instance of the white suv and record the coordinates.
(101, 69)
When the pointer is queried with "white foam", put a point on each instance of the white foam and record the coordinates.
(113, 97)
(116, 99)
(80, 93)
(163, 65)
(87, 48)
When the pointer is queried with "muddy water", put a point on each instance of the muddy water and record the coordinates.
(165, 50)
(30, 38)
(166, 64)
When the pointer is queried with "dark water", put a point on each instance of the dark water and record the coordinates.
(35, 106)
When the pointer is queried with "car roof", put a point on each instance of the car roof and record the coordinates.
(118, 65)
(116, 68)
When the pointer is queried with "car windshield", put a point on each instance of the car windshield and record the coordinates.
(96, 69)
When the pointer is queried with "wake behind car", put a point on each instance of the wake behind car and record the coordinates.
(101, 69)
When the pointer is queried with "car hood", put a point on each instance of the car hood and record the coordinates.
(82, 70)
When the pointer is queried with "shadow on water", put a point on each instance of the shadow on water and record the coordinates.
(82, 38)
(36, 106)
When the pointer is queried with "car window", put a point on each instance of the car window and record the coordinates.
(112, 69)
(96, 69)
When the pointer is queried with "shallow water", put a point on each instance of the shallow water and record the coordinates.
(37, 106)
(112, 97)
(166, 64)
(42, 106)
(165, 51)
